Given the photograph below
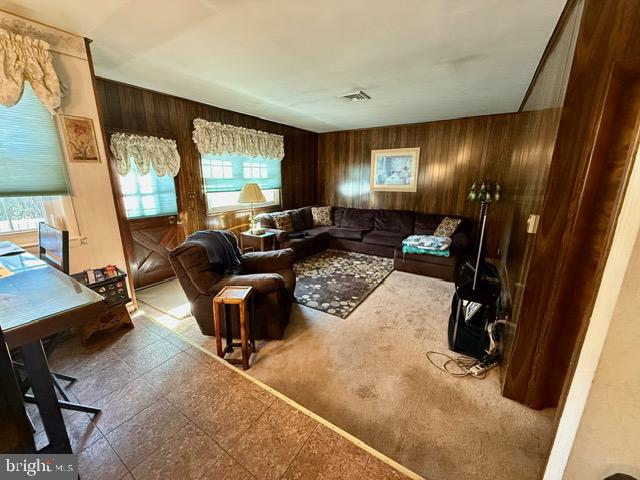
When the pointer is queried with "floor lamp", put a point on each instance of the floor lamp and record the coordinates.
(486, 194)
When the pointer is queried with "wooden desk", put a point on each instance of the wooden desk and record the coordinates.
(36, 301)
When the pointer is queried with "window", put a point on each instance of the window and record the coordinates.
(34, 185)
(213, 167)
(225, 175)
(21, 213)
(253, 170)
(147, 195)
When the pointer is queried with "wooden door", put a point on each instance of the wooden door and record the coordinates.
(151, 240)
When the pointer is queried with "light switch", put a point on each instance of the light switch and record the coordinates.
(532, 223)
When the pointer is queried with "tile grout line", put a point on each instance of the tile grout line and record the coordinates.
(380, 456)
(304, 444)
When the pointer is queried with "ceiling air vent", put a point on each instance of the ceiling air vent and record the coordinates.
(359, 96)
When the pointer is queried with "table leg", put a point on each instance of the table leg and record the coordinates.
(243, 335)
(252, 334)
(35, 363)
(227, 321)
(216, 321)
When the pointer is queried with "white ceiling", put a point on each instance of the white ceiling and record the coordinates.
(287, 60)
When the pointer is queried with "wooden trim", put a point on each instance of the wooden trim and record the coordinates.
(122, 224)
(551, 45)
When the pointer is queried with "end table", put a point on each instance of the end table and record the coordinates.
(241, 296)
(261, 243)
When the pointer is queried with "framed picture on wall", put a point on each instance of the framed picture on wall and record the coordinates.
(395, 170)
(79, 138)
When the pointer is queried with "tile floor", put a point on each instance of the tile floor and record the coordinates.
(170, 410)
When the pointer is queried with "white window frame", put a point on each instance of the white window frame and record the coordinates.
(59, 212)
(240, 207)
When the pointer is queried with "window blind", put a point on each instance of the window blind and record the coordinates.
(228, 173)
(148, 195)
(31, 160)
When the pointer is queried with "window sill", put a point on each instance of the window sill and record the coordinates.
(29, 239)
(239, 209)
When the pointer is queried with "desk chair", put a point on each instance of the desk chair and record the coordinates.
(53, 248)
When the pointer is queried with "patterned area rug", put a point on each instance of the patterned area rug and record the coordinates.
(336, 281)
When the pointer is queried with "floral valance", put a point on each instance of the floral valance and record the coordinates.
(27, 59)
(159, 153)
(218, 138)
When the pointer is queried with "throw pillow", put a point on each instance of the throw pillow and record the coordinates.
(296, 220)
(321, 216)
(447, 227)
(283, 222)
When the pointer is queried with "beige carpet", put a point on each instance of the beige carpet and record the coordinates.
(368, 374)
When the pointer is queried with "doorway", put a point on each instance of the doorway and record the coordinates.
(149, 208)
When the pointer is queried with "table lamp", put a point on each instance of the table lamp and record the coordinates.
(251, 193)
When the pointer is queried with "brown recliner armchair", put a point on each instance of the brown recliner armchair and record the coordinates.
(269, 273)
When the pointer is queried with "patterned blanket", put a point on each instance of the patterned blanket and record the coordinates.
(427, 245)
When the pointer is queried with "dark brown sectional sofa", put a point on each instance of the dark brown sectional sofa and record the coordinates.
(375, 232)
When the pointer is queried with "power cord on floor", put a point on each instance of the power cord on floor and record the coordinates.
(462, 364)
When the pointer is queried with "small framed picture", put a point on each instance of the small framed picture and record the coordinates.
(395, 170)
(79, 139)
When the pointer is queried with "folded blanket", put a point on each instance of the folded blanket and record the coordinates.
(427, 245)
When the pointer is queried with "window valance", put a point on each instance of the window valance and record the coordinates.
(27, 59)
(146, 152)
(219, 139)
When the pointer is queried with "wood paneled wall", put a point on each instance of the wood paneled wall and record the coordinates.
(535, 136)
(137, 110)
(586, 181)
(453, 154)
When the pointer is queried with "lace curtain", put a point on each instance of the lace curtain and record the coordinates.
(218, 138)
(27, 59)
(147, 152)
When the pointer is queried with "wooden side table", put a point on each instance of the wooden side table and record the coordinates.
(261, 243)
(241, 296)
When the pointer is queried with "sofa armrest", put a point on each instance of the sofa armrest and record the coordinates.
(266, 262)
(261, 282)
(460, 242)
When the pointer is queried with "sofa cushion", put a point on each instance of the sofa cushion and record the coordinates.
(426, 223)
(283, 222)
(386, 239)
(395, 221)
(348, 233)
(358, 218)
(321, 216)
(315, 231)
(296, 220)
(307, 216)
(338, 213)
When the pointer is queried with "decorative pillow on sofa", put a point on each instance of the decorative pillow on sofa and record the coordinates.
(447, 227)
(283, 222)
(321, 216)
(296, 219)
(307, 216)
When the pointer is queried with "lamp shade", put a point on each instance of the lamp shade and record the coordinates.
(251, 193)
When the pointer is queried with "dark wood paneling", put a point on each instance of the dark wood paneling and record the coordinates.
(129, 108)
(453, 154)
(586, 182)
(535, 136)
